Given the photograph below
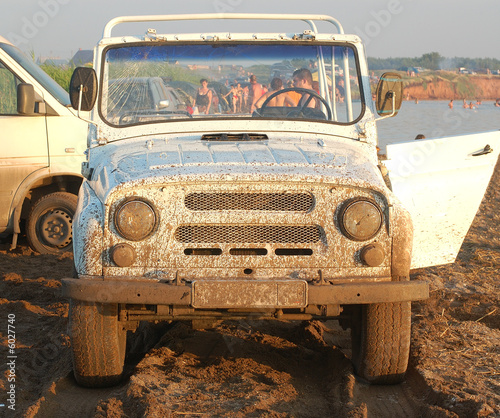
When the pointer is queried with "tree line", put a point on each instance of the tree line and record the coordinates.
(434, 61)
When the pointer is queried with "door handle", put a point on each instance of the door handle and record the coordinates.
(487, 150)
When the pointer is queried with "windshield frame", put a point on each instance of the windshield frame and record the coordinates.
(61, 95)
(222, 117)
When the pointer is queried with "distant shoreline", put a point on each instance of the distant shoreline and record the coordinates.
(458, 102)
(443, 85)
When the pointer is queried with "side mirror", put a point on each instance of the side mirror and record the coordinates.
(83, 89)
(163, 104)
(389, 94)
(25, 99)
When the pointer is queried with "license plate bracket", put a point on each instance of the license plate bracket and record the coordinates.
(224, 294)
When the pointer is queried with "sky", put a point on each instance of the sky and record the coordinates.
(389, 28)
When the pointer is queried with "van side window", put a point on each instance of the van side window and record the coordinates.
(8, 91)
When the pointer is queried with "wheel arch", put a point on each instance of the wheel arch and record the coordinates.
(48, 184)
(33, 189)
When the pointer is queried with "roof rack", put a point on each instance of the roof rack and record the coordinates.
(310, 19)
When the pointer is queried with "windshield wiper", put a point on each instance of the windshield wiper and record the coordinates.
(234, 137)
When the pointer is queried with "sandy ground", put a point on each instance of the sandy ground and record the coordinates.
(264, 369)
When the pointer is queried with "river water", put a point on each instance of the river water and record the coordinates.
(435, 120)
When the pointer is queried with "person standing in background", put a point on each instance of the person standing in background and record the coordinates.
(203, 97)
(254, 92)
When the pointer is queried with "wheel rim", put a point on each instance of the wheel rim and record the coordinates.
(55, 228)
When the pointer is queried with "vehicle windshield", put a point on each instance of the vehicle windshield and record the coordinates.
(166, 82)
(38, 74)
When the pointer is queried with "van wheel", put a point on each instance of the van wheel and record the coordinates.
(380, 336)
(98, 343)
(49, 226)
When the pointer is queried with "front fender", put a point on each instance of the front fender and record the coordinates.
(88, 226)
(402, 243)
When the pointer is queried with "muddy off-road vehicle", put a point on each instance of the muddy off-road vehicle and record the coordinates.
(276, 211)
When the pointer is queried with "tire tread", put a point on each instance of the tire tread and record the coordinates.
(382, 333)
(97, 344)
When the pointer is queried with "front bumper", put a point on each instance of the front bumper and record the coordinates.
(242, 294)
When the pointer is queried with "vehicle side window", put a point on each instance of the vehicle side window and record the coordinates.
(8, 91)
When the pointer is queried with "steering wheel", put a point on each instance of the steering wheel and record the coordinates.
(299, 110)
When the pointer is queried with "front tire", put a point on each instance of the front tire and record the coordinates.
(98, 342)
(49, 225)
(380, 336)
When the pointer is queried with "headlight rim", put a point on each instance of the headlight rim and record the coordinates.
(344, 206)
(129, 200)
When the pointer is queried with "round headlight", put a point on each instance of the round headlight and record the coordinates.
(360, 219)
(135, 220)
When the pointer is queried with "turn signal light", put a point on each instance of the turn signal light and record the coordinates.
(373, 254)
(123, 255)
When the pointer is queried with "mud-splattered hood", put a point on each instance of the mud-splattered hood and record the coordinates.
(168, 160)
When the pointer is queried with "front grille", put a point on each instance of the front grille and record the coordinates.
(249, 234)
(283, 202)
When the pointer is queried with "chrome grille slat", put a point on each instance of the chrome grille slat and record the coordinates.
(248, 234)
(283, 202)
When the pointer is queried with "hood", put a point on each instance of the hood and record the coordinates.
(158, 161)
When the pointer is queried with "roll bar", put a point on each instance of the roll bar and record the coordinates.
(309, 19)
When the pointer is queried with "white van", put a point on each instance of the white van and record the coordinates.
(42, 147)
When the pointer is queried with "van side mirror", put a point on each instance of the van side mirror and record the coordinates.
(25, 99)
(389, 94)
(163, 104)
(83, 89)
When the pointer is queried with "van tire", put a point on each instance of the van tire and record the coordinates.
(380, 336)
(98, 343)
(49, 224)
